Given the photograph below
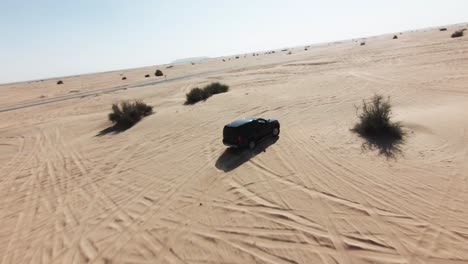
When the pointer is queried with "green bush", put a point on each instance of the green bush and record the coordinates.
(158, 73)
(197, 94)
(128, 113)
(374, 120)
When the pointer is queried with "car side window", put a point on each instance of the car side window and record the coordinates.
(261, 121)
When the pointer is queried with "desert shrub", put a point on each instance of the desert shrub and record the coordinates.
(216, 88)
(128, 113)
(147, 76)
(395, 37)
(59, 82)
(168, 67)
(442, 29)
(158, 73)
(197, 94)
(458, 33)
(124, 78)
(289, 53)
(363, 43)
(237, 57)
(374, 120)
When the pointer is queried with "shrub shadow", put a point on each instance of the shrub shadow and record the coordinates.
(387, 145)
(114, 129)
(234, 157)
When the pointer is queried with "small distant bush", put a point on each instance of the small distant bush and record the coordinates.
(363, 43)
(158, 73)
(374, 120)
(289, 53)
(147, 76)
(197, 94)
(442, 29)
(237, 57)
(458, 33)
(395, 37)
(124, 78)
(128, 113)
(59, 82)
(168, 67)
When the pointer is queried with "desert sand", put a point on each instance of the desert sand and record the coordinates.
(167, 191)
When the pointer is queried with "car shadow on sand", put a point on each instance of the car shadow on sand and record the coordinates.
(234, 157)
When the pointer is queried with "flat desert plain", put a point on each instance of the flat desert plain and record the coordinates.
(168, 191)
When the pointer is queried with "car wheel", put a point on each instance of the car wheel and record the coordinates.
(276, 131)
(252, 144)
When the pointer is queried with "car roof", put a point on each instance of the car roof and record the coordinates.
(242, 121)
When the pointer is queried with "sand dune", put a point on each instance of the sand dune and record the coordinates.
(168, 191)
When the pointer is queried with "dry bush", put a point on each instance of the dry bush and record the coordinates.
(458, 33)
(374, 120)
(128, 113)
(158, 73)
(196, 94)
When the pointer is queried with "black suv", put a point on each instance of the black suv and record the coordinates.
(246, 132)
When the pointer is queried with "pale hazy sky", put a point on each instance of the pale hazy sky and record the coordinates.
(48, 38)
